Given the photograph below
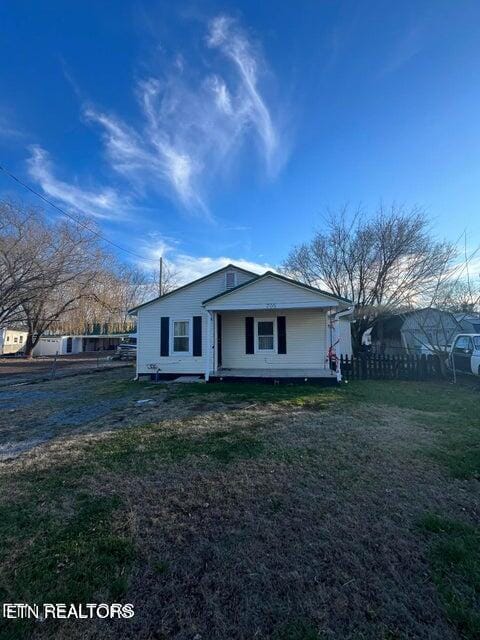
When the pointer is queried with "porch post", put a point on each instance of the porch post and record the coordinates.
(208, 353)
(336, 341)
(215, 342)
(329, 336)
(333, 339)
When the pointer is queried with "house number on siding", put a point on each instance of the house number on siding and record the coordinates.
(271, 305)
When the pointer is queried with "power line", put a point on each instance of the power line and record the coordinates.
(68, 215)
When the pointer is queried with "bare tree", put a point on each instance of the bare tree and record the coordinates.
(55, 276)
(69, 279)
(19, 277)
(170, 280)
(127, 287)
(456, 295)
(381, 262)
(51, 267)
(115, 290)
(462, 297)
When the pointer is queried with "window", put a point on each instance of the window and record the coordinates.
(181, 336)
(230, 279)
(463, 345)
(476, 340)
(15, 339)
(265, 335)
(21, 338)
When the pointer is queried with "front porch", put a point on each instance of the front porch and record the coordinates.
(276, 343)
(306, 375)
(273, 329)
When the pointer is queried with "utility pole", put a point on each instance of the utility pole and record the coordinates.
(160, 274)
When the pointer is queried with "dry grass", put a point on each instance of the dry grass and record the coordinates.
(250, 518)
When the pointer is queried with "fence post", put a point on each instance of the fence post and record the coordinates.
(54, 365)
(437, 368)
(423, 362)
(363, 365)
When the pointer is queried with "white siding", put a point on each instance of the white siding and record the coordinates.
(307, 341)
(271, 292)
(345, 344)
(182, 305)
(50, 346)
(12, 340)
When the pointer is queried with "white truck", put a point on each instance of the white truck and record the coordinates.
(464, 354)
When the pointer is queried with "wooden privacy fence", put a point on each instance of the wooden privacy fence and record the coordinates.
(377, 367)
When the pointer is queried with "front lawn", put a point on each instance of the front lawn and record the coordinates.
(239, 511)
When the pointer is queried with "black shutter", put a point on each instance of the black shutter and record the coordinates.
(249, 348)
(164, 336)
(197, 335)
(282, 334)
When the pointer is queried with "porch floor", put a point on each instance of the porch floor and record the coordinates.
(273, 373)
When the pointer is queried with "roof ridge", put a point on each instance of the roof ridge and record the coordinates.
(230, 265)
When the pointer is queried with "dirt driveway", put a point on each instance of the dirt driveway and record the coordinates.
(33, 414)
(20, 370)
(243, 512)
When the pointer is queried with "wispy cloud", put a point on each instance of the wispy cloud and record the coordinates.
(101, 203)
(8, 129)
(407, 47)
(248, 105)
(192, 126)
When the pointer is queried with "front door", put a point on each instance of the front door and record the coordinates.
(69, 344)
(462, 354)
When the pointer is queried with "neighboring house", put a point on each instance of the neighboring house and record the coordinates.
(12, 340)
(234, 324)
(470, 322)
(414, 332)
(63, 345)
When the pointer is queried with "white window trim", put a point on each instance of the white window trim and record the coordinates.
(235, 280)
(190, 337)
(275, 349)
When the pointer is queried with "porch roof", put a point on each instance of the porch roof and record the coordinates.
(279, 277)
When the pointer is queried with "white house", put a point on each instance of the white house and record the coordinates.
(235, 324)
(12, 340)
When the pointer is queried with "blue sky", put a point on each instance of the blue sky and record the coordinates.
(219, 130)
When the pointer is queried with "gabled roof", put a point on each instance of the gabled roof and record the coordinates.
(394, 321)
(189, 284)
(279, 277)
(403, 315)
